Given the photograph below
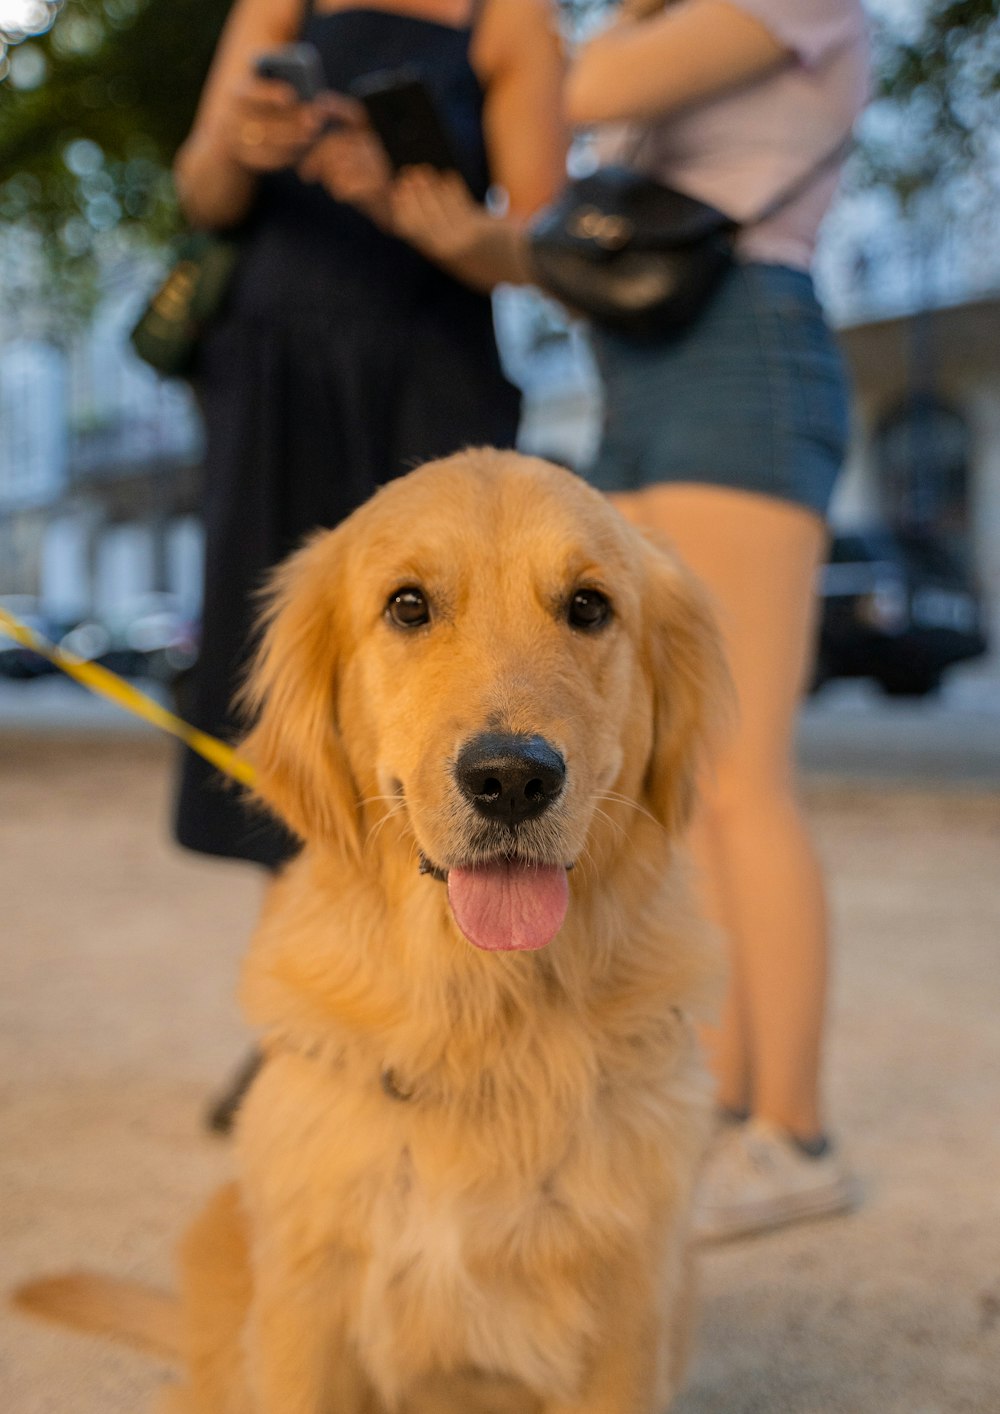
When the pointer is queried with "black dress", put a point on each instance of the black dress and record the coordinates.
(342, 360)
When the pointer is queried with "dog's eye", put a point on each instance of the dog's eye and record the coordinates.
(408, 608)
(589, 609)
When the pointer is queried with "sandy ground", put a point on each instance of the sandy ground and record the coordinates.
(118, 960)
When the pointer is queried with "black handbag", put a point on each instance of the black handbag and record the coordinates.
(631, 253)
(170, 328)
(637, 256)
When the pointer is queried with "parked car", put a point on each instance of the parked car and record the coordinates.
(148, 637)
(15, 660)
(896, 607)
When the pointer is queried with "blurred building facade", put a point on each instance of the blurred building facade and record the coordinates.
(927, 445)
(99, 465)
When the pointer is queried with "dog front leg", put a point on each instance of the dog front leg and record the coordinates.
(635, 1365)
(622, 1379)
(298, 1361)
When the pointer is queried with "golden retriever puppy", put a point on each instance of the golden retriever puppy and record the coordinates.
(465, 1167)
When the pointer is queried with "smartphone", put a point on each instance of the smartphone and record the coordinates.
(298, 65)
(402, 111)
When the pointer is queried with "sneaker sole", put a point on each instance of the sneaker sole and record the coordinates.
(765, 1217)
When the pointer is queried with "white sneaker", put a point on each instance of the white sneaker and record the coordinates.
(756, 1177)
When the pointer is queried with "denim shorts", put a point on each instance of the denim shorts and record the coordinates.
(752, 396)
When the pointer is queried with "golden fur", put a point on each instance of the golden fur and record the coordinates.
(464, 1176)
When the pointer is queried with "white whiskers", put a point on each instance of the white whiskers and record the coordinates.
(398, 808)
(616, 798)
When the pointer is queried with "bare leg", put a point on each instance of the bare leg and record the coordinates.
(759, 558)
(729, 1044)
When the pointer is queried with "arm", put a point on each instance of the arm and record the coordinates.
(690, 51)
(518, 57)
(434, 212)
(351, 162)
(244, 125)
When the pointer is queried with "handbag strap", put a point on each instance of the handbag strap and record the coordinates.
(800, 184)
(787, 194)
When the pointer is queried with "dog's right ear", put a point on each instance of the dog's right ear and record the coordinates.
(290, 696)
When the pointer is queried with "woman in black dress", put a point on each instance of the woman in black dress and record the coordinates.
(358, 338)
(354, 343)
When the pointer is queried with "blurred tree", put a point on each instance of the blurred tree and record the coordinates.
(940, 80)
(95, 97)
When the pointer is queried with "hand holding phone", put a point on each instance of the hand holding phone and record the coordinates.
(402, 112)
(437, 214)
(298, 65)
(269, 123)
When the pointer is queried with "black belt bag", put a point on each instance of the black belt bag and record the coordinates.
(635, 255)
(631, 253)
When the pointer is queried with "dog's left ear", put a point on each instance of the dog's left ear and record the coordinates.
(290, 696)
(693, 695)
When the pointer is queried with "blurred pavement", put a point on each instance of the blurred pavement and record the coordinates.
(852, 731)
(117, 1022)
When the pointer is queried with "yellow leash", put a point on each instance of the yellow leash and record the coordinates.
(117, 690)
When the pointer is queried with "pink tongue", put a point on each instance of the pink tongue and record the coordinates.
(509, 907)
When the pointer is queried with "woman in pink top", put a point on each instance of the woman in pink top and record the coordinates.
(728, 439)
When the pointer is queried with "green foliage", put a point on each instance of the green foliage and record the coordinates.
(89, 146)
(118, 71)
(943, 83)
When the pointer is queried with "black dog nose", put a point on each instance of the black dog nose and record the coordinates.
(510, 778)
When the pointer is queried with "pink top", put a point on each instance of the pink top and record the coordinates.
(740, 149)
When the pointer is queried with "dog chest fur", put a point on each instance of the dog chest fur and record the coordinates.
(471, 1225)
(448, 1255)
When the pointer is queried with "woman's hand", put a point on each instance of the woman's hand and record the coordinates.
(266, 127)
(435, 212)
(349, 161)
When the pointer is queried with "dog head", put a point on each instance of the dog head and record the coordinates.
(486, 663)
